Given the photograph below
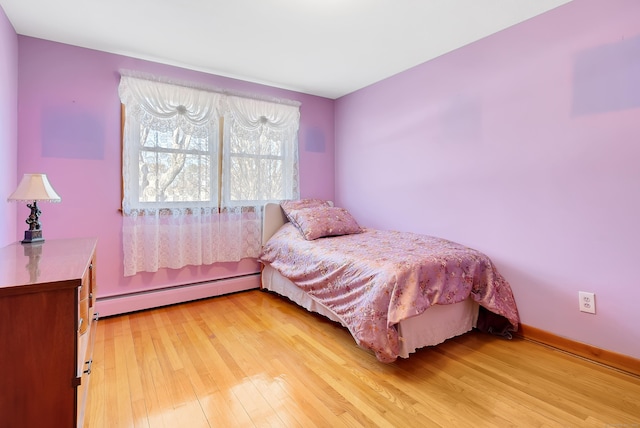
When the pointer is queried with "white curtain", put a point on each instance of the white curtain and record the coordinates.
(267, 133)
(160, 231)
(259, 164)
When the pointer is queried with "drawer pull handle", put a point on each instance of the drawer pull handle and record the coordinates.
(89, 363)
(80, 324)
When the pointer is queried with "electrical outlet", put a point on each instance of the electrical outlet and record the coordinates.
(587, 302)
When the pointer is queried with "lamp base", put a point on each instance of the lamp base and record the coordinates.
(32, 236)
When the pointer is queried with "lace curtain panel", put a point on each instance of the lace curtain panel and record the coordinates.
(173, 216)
(260, 151)
(155, 240)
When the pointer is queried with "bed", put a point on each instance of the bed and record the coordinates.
(394, 291)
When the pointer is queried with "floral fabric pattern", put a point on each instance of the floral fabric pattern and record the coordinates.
(322, 221)
(375, 279)
(300, 204)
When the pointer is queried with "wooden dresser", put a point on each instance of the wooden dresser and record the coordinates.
(47, 326)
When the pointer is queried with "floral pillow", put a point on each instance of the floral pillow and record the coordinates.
(303, 203)
(321, 221)
(288, 206)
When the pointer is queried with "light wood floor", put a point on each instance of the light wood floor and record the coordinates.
(253, 359)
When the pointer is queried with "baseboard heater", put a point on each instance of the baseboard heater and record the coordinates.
(131, 302)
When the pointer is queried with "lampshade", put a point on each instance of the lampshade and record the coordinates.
(34, 187)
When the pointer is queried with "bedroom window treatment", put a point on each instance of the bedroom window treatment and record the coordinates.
(192, 194)
(260, 152)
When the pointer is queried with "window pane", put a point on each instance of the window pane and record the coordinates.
(262, 144)
(173, 140)
(243, 173)
(152, 138)
(191, 184)
(199, 144)
(271, 142)
(174, 167)
(247, 145)
(256, 179)
(272, 173)
(146, 140)
(174, 177)
(275, 148)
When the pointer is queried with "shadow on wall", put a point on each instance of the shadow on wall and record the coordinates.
(607, 78)
(314, 141)
(461, 120)
(71, 132)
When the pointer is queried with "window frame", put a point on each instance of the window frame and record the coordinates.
(166, 206)
(223, 189)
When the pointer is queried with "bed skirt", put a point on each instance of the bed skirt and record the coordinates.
(434, 326)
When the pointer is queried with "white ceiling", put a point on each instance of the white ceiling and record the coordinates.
(321, 47)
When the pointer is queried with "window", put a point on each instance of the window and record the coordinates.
(174, 169)
(254, 160)
(260, 152)
(198, 166)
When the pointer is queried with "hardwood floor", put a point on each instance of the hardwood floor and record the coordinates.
(254, 359)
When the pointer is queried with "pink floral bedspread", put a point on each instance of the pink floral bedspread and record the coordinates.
(375, 279)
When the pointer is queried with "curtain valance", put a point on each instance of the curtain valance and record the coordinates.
(163, 107)
(253, 114)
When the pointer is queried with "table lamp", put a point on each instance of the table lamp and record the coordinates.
(34, 187)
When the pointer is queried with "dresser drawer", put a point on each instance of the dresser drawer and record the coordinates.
(84, 321)
(86, 298)
(87, 323)
(85, 362)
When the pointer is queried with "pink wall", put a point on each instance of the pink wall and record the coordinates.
(69, 128)
(8, 128)
(524, 145)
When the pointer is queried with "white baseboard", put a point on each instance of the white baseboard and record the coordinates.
(116, 305)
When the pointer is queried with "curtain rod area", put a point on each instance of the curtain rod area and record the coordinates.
(205, 87)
